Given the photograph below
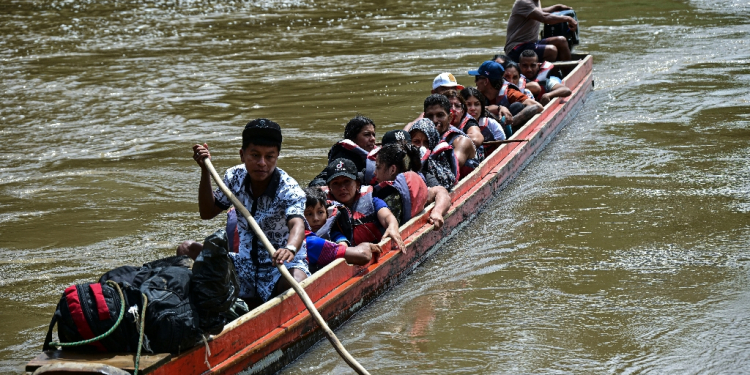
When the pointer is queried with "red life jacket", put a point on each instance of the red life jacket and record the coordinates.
(353, 147)
(362, 224)
(522, 83)
(412, 189)
(465, 120)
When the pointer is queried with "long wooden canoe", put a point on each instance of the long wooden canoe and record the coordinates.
(274, 334)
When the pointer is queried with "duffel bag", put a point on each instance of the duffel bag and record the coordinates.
(88, 311)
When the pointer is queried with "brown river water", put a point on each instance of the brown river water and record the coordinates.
(622, 248)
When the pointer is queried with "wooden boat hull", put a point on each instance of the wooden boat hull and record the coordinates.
(273, 335)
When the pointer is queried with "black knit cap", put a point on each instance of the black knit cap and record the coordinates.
(262, 130)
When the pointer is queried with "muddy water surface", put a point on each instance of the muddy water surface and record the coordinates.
(621, 249)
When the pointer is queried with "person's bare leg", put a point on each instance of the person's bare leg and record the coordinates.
(560, 46)
(282, 285)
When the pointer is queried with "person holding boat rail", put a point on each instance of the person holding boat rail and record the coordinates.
(543, 83)
(523, 31)
(358, 142)
(385, 173)
(399, 184)
(490, 82)
(370, 219)
(275, 201)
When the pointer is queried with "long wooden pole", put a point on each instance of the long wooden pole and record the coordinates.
(492, 143)
(285, 272)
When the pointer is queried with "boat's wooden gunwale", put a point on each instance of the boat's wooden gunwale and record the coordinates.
(272, 335)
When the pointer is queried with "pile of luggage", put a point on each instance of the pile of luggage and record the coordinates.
(185, 301)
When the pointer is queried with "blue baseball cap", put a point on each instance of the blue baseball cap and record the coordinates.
(490, 69)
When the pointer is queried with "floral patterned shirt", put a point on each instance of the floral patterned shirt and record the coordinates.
(282, 201)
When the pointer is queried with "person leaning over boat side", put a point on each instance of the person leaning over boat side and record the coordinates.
(435, 192)
(439, 163)
(358, 142)
(276, 202)
(491, 129)
(370, 219)
(490, 82)
(544, 85)
(523, 31)
(437, 108)
(325, 245)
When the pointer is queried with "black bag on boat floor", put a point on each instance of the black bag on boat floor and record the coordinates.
(86, 311)
(172, 323)
(214, 287)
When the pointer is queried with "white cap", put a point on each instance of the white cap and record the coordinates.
(446, 80)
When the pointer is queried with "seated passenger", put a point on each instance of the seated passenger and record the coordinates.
(437, 108)
(324, 245)
(490, 82)
(513, 75)
(435, 192)
(439, 162)
(543, 84)
(491, 129)
(369, 219)
(276, 202)
(358, 142)
(442, 83)
(399, 184)
(463, 120)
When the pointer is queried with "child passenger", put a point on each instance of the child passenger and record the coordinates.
(324, 245)
(369, 219)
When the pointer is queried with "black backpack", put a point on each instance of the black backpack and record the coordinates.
(172, 324)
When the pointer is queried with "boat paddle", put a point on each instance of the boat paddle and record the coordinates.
(285, 272)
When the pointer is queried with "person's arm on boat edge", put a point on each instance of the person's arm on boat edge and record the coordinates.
(500, 111)
(296, 235)
(558, 91)
(442, 199)
(206, 204)
(390, 223)
(527, 113)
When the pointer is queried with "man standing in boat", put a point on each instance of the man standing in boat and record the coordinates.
(523, 31)
(275, 201)
(490, 82)
(540, 78)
